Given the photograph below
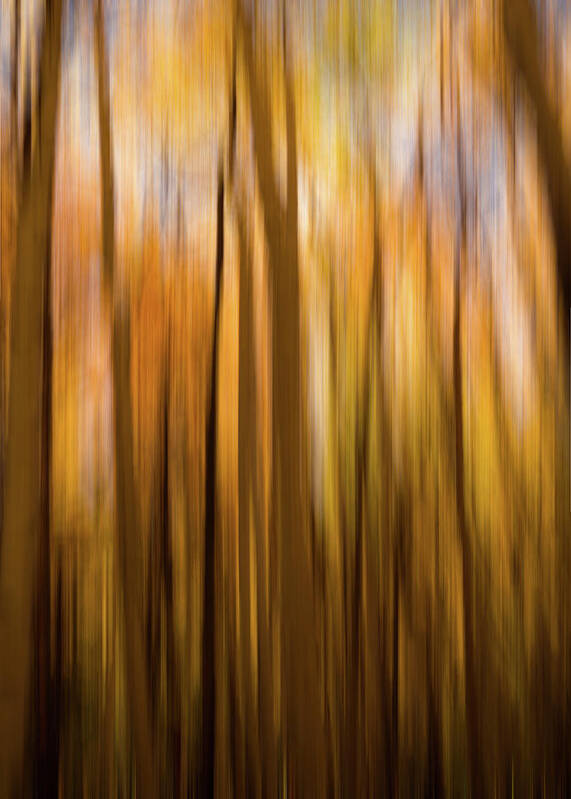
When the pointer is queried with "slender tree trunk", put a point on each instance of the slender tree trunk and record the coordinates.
(45, 782)
(244, 540)
(435, 785)
(22, 510)
(107, 776)
(126, 509)
(129, 562)
(208, 636)
(237, 728)
(246, 488)
(56, 683)
(471, 687)
(266, 758)
(304, 741)
(14, 84)
(386, 699)
(246, 464)
(362, 452)
(15, 59)
(189, 772)
(173, 682)
(153, 632)
(248, 502)
(396, 621)
(305, 745)
(435, 759)
(268, 750)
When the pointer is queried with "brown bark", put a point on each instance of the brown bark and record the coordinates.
(521, 33)
(265, 759)
(160, 588)
(435, 785)
(126, 505)
(394, 765)
(304, 742)
(22, 510)
(362, 452)
(153, 620)
(57, 677)
(236, 731)
(471, 685)
(246, 476)
(268, 747)
(259, 760)
(129, 561)
(208, 631)
(107, 773)
(14, 78)
(45, 780)
(173, 681)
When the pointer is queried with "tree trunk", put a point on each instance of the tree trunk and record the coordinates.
(14, 80)
(173, 682)
(22, 510)
(304, 743)
(208, 637)
(56, 683)
(471, 687)
(246, 476)
(262, 763)
(265, 759)
(520, 28)
(45, 782)
(362, 453)
(126, 507)
(394, 765)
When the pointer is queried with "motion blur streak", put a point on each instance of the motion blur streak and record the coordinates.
(284, 398)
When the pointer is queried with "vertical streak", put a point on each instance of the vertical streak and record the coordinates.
(208, 637)
(126, 507)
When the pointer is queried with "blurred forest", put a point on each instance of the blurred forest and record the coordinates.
(285, 292)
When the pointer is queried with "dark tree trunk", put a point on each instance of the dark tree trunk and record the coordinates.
(23, 491)
(173, 683)
(56, 694)
(208, 637)
(304, 741)
(14, 85)
(45, 782)
(394, 766)
(246, 491)
(521, 32)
